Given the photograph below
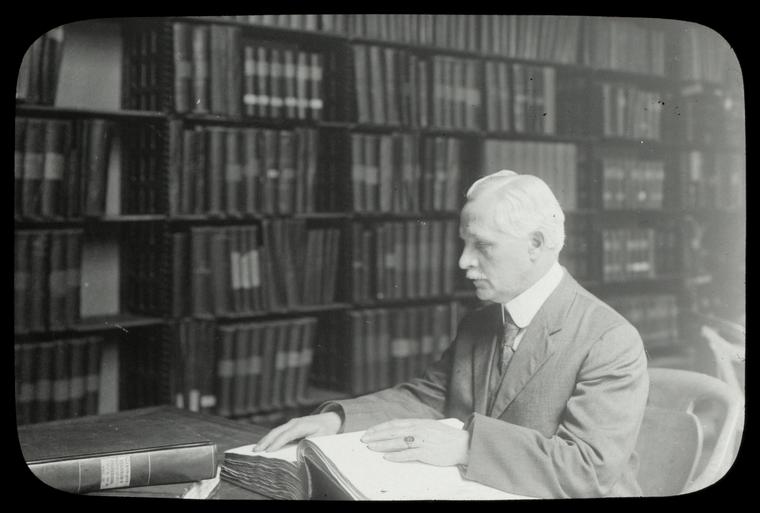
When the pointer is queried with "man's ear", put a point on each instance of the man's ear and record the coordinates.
(537, 242)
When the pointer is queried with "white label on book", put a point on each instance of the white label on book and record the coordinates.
(400, 347)
(255, 273)
(18, 164)
(264, 99)
(76, 387)
(54, 164)
(183, 69)
(294, 358)
(306, 356)
(250, 99)
(235, 270)
(280, 361)
(193, 400)
(225, 368)
(371, 173)
(249, 66)
(33, 164)
(315, 103)
(273, 174)
(291, 101)
(179, 401)
(390, 260)
(115, 471)
(208, 401)
(244, 272)
(316, 72)
(276, 101)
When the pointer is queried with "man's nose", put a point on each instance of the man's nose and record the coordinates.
(466, 260)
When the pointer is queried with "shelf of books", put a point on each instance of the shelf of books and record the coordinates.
(249, 215)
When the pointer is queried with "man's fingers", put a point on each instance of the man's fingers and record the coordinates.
(396, 444)
(292, 433)
(408, 455)
(265, 442)
(388, 433)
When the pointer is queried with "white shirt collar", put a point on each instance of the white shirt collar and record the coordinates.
(525, 306)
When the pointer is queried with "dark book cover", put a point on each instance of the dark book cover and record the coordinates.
(34, 165)
(220, 271)
(253, 335)
(25, 361)
(252, 171)
(271, 171)
(241, 371)
(38, 280)
(21, 281)
(56, 132)
(183, 66)
(276, 85)
(316, 86)
(77, 377)
(233, 175)
(57, 280)
(215, 167)
(263, 85)
(234, 77)
(306, 358)
(92, 375)
(98, 133)
(19, 150)
(268, 352)
(73, 273)
(43, 382)
(177, 168)
(61, 379)
(225, 371)
(200, 69)
(302, 78)
(218, 54)
(377, 86)
(286, 178)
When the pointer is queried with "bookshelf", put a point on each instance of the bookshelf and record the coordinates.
(276, 217)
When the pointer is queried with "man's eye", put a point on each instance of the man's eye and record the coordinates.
(482, 245)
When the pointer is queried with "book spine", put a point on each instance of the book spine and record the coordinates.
(159, 466)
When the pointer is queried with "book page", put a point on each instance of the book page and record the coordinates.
(374, 478)
(288, 452)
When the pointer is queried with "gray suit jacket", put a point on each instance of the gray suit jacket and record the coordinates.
(568, 412)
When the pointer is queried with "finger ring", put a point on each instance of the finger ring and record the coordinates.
(409, 441)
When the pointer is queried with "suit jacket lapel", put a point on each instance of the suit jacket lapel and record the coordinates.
(536, 345)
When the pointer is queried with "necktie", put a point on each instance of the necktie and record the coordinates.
(509, 334)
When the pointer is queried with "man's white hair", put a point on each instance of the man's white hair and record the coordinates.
(524, 204)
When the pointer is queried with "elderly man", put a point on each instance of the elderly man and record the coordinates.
(550, 382)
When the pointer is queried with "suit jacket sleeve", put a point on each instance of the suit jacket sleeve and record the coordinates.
(594, 440)
(422, 397)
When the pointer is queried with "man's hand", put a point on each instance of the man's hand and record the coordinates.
(423, 440)
(311, 425)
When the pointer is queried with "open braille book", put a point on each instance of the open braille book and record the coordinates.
(343, 467)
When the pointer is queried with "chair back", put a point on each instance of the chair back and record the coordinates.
(669, 447)
(680, 390)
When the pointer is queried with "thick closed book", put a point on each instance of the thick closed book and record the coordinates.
(336, 467)
(112, 451)
(123, 469)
